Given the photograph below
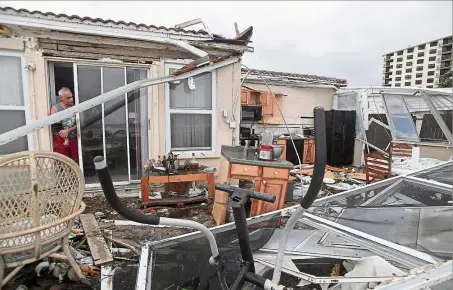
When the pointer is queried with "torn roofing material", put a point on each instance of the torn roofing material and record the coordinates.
(192, 66)
(285, 77)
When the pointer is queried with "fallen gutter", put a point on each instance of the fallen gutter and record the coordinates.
(49, 120)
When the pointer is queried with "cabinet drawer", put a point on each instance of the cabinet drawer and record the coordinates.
(246, 170)
(278, 173)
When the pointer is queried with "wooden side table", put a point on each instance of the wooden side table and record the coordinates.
(145, 181)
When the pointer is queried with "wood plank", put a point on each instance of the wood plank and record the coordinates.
(187, 177)
(175, 201)
(221, 198)
(357, 175)
(336, 169)
(98, 247)
(329, 174)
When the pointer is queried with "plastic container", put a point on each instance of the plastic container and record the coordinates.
(265, 153)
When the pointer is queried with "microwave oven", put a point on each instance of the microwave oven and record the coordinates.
(251, 113)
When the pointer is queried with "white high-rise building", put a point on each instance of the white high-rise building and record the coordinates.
(420, 65)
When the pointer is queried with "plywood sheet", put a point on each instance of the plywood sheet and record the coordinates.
(99, 250)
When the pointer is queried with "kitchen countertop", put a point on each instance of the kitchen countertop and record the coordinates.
(234, 154)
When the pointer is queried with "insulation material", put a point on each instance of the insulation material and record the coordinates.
(373, 266)
(401, 166)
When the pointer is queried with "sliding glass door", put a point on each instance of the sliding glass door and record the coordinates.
(117, 129)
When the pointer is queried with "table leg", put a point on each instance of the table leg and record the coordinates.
(211, 185)
(144, 190)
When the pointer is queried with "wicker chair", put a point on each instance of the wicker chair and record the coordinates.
(40, 195)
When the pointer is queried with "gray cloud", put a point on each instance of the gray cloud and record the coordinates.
(336, 39)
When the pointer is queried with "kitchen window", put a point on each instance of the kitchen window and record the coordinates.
(190, 112)
(14, 103)
(403, 125)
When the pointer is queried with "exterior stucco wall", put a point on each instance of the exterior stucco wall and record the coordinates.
(297, 101)
(436, 152)
(228, 81)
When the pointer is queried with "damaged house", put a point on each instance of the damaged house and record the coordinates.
(43, 52)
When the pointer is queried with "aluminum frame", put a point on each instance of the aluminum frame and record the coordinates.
(212, 112)
(26, 107)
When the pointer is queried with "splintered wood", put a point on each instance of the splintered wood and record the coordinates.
(98, 247)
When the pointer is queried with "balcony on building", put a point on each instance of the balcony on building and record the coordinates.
(447, 41)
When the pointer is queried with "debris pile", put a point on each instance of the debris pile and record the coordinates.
(335, 179)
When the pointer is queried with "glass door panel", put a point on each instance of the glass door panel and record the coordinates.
(91, 131)
(116, 140)
(138, 123)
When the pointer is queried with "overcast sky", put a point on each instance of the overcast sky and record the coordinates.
(335, 39)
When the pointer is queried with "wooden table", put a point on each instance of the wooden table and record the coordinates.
(198, 176)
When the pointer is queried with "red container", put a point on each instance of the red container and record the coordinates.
(265, 153)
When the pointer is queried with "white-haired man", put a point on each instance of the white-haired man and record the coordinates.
(65, 133)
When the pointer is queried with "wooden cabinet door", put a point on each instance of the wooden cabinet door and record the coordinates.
(245, 97)
(255, 202)
(276, 188)
(267, 104)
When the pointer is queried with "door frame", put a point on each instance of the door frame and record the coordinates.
(75, 63)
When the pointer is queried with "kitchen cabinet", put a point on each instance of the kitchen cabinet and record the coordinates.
(250, 98)
(263, 99)
(245, 97)
(272, 180)
(267, 102)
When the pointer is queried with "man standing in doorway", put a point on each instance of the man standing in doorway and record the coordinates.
(65, 133)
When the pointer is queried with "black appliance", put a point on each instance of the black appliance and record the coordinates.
(247, 134)
(291, 152)
(340, 136)
(251, 113)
